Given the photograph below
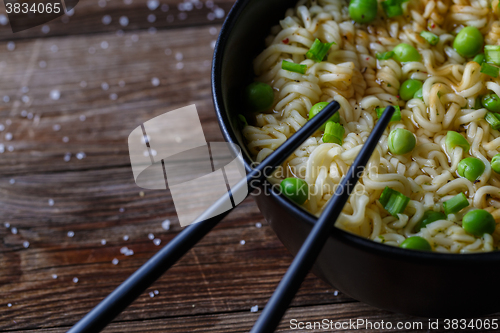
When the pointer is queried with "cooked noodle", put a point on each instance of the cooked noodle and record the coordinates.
(352, 76)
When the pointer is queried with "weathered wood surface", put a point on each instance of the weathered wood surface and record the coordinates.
(105, 85)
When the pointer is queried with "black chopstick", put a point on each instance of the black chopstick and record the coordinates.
(305, 258)
(138, 282)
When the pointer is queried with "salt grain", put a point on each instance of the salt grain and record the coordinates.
(70, 12)
(25, 89)
(121, 83)
(212, 44)
(335, 293)
(156, 292)
(178, 56)
(258, 225)
(134, 38)
(155, 81)
(26, 244)
(25, 99)
(75, 280)
(151, 294)
(12, 181)
(67, 157)
(106, 19)
(254, 308)
(119, 33)
(168, 51)
(242, 242)
(42, 64)
(213, 31)
(209, 4)
(54, 276)
(125, 238)
(115, 261)
(51, 203)
(123, 250)
(127, 2)
(82, 117)
(103, 242)
(219, 13)
(8, 122)
(6, 99)
(9, 305)
(11, 46)
(104, 45)
(129, 252)
(13, 230)
(123, 21)
(55, 94)
(152, 30)
(71, 234)
(8, 136)
(151, 236)
(56, 127)
(2, 127)
(54, 48)
(113, 96)
(65, 139)
(45, 29)
(157, 241)
(179, 65)
(211, 16)
(80, 155)
(3, 19)
(7, 224)
(102, 3)
(30, 116)
(166, 224)
(151, 18)
(10, 148)
(182, 16)
(2, 148)
(83, 84)
(121, 210)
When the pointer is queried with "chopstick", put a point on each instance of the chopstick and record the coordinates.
(324, 226)
(138, 282)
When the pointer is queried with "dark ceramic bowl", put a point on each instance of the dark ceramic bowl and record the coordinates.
(412, 282)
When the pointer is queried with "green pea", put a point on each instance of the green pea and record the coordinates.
(429, 217)
(419, 94)
(363, 11)
(405, 52)
(295, 189)
(401, 141)
(491, 102)
(468, 42)
(409, 88)
(259, 96)
(479, 222)
(495, 163)
(320, 106)
(416, 243)
(471, 168)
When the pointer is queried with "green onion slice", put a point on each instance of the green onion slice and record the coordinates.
(242, 121)
(393, 201)
(318, 50)
(493, 119)
(293, 67)
(433, 39)
(392, 8)
(396, 116)
(489, 69)
(384, 55)
(492, 54)
(454, 139)
(479, 58)
(334, 133)
(455, 204)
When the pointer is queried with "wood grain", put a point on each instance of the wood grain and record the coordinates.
(78, 92)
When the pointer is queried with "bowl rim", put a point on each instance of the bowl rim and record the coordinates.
(361, 243)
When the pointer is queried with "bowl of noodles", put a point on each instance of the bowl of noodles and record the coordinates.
(420, 234)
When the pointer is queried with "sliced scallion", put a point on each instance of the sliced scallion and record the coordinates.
(489, 69)
(493, 119)
(384, 55)
(293, 67)
(392, 8)
(492, 54)
(396, 116)
(334, 133)
(433, 39)
(455, 204)
(393, 201)
(479, 58)
(318, 50)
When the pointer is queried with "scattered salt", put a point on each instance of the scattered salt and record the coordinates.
(151, 294)
(25, 99)
(75, 280)
(8, 122)
(8, 136)
(156, 292)
(127, 2)
(258, 225)
(121, 210)
(45, 29)
(67, 156)
(125, 238)
(103, 242)
(3, 19)
(104, 45)
(179, 56)
(65, 139)
(54, 276)
(182, 16)
(179, 65)
(335, 293)
(56, 127)
(134, 38)
(2, 148)
(55, 95)
(219, 13)
(129, 252)
(9, 305)
(157, 241)
(104, 86)
(26, 244)
(12, 181)
(123, 21)
(82, 117)
(151, 18)
(54, 48)
(80, 155)
(11, 46)
(24, 89)
(242, 242)
(2, 127)
(254, 308)
(51, 202)
(6, 99)
(42, 64)
(209, 4)
(213, 31)
(155, 81)
(7, 224)
(71, 233)
(30, 115)
(10, 148)
(13, 230)
(113, 96)
(151, 236)
(121, 83)
(102, 3)
(211, 16)
(115, 261)
(153, 4)
(166, 224)
(212, 44)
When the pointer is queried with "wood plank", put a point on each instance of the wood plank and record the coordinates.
(89, 17)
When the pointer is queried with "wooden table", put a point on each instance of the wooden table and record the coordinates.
(70, 94)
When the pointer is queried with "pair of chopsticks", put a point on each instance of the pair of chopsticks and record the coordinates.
(138, 282)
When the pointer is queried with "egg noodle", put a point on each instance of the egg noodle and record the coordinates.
(351, 75)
